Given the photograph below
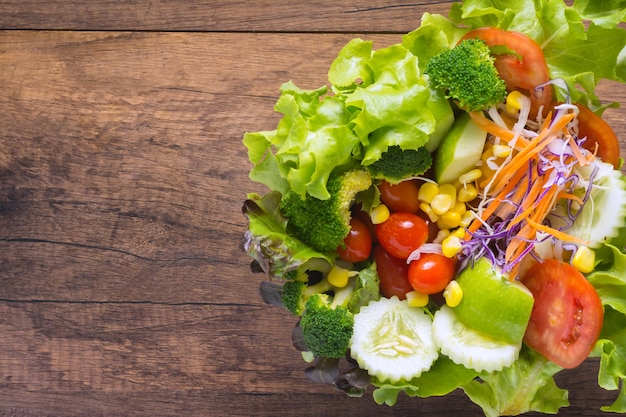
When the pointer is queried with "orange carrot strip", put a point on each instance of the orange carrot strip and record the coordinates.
(557, 233)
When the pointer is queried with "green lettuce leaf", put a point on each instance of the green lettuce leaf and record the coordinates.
(580, 56)
(443, 377)
(266, 239)
(611, 348)
(527, 385)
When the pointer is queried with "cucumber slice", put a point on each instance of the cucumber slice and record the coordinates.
(393, 341)
(460, 150)
(605, 211)
(469, 348)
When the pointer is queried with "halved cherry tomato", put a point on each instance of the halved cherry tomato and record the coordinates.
(402, 233)
(431, 273)
(357, 246)
(400, 197)
(523, 69)
(598, 132)
(393, 274)
(567, 315)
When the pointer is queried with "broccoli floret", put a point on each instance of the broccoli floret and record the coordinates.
(468, 75)
(397, 164)
(327, 324)
(323, 224)
(296, 293)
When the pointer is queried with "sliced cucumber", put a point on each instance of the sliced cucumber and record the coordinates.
(469, 348)
(393, 341)
(460, 150)
(605, 211)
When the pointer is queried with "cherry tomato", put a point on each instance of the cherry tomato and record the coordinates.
(431, 273)
(524, 69)
(598, 132)
(400, 197)
(365, 218)
(357, 246)
(567, 316)
(402, 233)
(393, 274)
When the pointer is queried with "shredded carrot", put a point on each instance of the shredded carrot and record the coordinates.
(491, 127)
(519, 194)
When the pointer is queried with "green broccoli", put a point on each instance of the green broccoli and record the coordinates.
(397, 164)
(323, 224)
(295, 293)
(327, 323)
(468, 75)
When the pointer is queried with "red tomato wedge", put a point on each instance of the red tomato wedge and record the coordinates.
(567, 315)
(523, 68)
(598, 132)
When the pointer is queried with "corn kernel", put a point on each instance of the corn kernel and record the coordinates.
(453, 294)
(427, 192)
(467, 193)
(459, 207)
(448, 189)
(451, 246)
(338, 276)
(514, 101)
(501, 151)
(441, 203)
(471, 176)
(467, 218)
(584, 259)
(441, 235)
(379, 214)
(459, 232)
(449, 220)
(429, 212)
(416, 299)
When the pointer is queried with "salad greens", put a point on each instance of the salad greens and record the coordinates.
(369, 108)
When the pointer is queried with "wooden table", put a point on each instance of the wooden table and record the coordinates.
(124, 290)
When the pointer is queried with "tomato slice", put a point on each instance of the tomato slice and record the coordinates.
(523, 69)
(431, 273)
(567, 315)
(393, 274)
(598, 132)
(358, 244)
(402, 233)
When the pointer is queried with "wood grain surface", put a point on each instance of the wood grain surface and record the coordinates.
(124, 290)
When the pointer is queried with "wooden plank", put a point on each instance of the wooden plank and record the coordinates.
(221, 15)
(122, 158)
(110, 359)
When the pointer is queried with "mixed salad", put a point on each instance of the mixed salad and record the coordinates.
(450, 212)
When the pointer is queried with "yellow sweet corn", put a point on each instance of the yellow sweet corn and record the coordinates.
(451, 246)
(425, 207)
(501, 151)
(470, 176)
(416, 299)
(453, 294)
(427, 192)
(449, 220)
(514, 101)
(467, 193)
(379, 214)
(441, 203)
(338, 276)
(584, 259)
